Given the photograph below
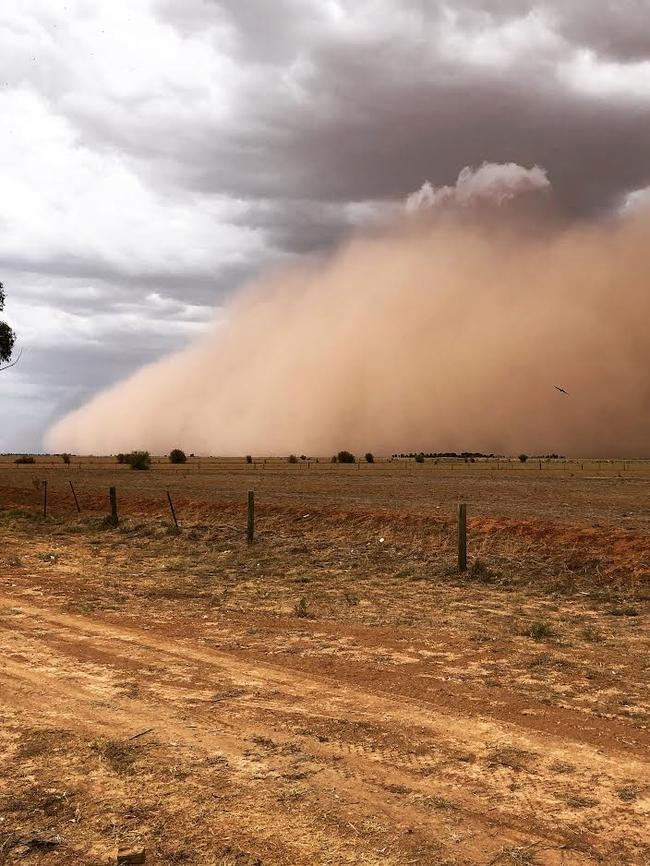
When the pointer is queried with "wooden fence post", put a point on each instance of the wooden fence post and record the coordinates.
(44, 498)
(250, 527)
(171, 506)
(462, 537)
(76, 501)
(113, 497)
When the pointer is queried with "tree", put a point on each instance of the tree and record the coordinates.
(523, 457)
(138, 460)
(177, 456)
(7, 336)
(346, 457)
(370, 458)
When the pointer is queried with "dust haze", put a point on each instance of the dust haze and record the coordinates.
(445, 329)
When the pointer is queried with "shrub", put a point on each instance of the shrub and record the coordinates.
(292, 458)
(370, 458)
(346, 457)
(249, 458)
(66, 459)
(24, 460)
(121, 458)
(303, 456)
(523, 457)
(301, 609)
(177, 456)
(539, 631)
(419, 458)
(138, 460)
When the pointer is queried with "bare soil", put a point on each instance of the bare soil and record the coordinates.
(335, 693)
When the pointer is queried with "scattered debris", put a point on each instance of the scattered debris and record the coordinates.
(130, 856)
(141, 734)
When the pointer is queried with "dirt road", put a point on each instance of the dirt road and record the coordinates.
(251, 761)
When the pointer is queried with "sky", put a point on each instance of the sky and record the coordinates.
(156, 155)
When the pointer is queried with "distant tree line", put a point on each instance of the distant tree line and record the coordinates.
(438, 454)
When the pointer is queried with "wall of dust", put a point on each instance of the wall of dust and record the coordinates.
(446, 330)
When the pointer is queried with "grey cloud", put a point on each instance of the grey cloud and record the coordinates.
(378, 115)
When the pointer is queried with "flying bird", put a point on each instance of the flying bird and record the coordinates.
(557, 388)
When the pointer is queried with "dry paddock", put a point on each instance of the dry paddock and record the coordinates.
(335, 693)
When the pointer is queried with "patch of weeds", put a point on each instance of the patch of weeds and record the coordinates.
(480, 572)
(543, 660)
(237, 857)
(301, 609)
(119, 755)
(303, 579)
(292, 794)
(592, 634)
(628, 794)
(396, 788)
(511, 757)
(40, 742)
(623, 611)
(538, 630)
(576, 801)
(15, 562)
(48, 557)
(436, 802)
(178, 856)
(562, 767)
(518, 855)
(264, 742)
(351, 599)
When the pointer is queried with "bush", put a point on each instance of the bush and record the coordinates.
(121, 458)
(66, 459)
(24, 460)
(138, 460)
(334, 459)
(523, 457)
(292, 458)
(419, 458)
(370, 458)
(177, 456)
(539, 631)
(249, 458)
(346, 457)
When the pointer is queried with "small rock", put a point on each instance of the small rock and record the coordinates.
(130, 856)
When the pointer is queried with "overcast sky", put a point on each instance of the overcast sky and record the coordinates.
(155, 154)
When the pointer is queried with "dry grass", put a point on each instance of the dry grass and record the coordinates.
(325, 696)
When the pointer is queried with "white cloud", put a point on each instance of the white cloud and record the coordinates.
(497, 44)
(497, 183)
(60, 199)
(586, 73)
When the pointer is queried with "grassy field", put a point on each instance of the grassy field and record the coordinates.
(335, 693)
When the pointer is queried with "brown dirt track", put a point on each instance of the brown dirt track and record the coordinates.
(326, 697)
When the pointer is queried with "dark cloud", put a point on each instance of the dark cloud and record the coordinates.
(377, 114)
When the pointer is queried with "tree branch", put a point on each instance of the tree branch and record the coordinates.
(13, 363)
